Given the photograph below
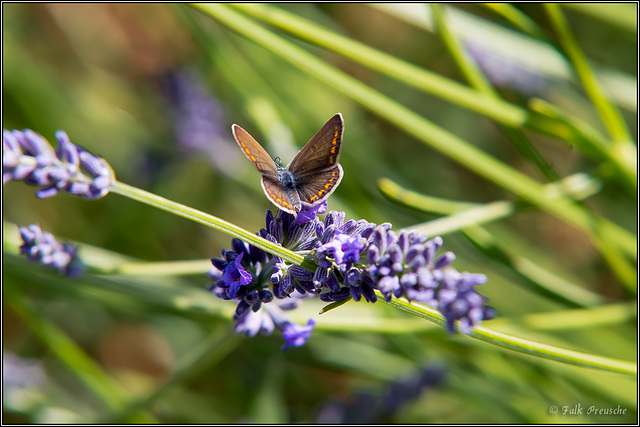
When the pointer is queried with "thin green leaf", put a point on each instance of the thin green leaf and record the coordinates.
(610, 114)
(524, 346)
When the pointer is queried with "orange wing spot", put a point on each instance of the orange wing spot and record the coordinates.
(333, 150)
(330, 159)
(255, 161)
(313, 198)
(279, 200)
(327, 185)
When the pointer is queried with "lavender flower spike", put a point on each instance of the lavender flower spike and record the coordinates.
(354, 260)
(28, 157)
(42, 247)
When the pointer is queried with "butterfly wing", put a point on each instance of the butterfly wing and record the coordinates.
(278, 196)
(315, 188)
(322, 152)
(254, 152)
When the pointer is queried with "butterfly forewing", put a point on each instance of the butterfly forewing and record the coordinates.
(254, 152)
(322, 151)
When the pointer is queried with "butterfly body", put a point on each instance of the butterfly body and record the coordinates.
(288, 183)
(311, 177)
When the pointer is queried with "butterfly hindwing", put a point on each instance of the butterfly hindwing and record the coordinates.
(277, 194)
(316, 187)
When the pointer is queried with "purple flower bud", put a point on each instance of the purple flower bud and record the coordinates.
(380, 239)
(286, 285)
(332, 282)
(373, 255)
(444, 260)
(300, 273)
(353, 277)
(388, 284)
(445, 296)
(355, 292)
(348, 227)
(320, 277)
(474, 279)
(276, 229)
(369, 294)
(402, 242)
(297, 335)
(42, 247)
(437, 242)
(268, 219)
(47, 192)
(334, 218)
(68, 152)
(328, 234)
(235, 275)
(339, 295)
(242, 307)
(266, 296)
(368, 230)
(319, 228)
(239, 246)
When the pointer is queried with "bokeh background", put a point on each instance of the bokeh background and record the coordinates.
(154, 90)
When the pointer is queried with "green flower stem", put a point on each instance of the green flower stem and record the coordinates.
(74, 358)
(475, 77)
(621, 15)
(461, 58)
(610, 114)
(570, 129)
(210, 221)
(522, 345)
(517, 19)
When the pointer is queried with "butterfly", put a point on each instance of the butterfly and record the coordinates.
(311, 177)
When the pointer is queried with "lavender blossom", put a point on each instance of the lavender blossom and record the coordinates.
(199, 121)
(309, 213)
(41, 246)
(28, 157)
(253, 278)
(370, 257)
(355, 259)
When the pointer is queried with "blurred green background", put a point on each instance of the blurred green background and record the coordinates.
(108, 75)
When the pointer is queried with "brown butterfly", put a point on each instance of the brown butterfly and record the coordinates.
(311, 177)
